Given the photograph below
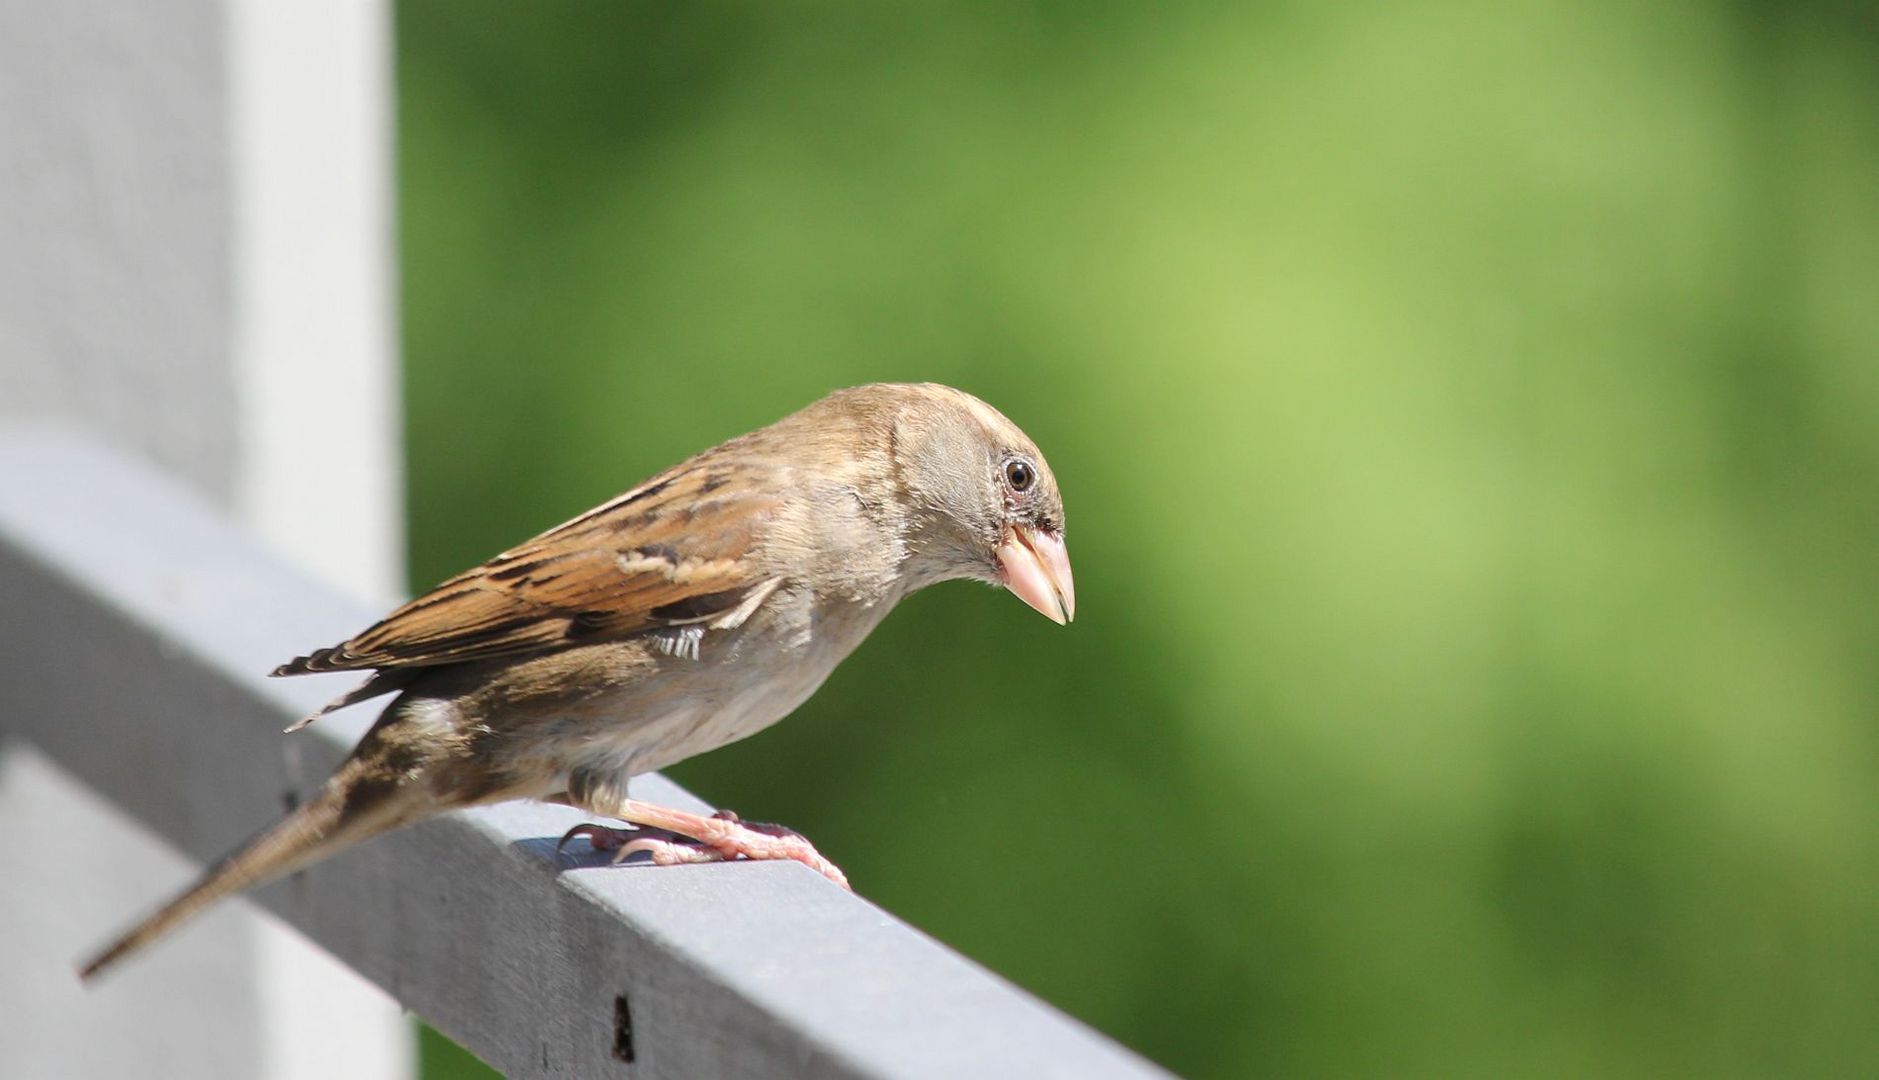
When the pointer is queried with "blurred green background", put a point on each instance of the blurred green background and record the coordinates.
(1468, 415)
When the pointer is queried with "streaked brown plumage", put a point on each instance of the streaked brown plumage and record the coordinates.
(691, 611)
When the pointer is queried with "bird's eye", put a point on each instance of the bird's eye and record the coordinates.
(1020, 475)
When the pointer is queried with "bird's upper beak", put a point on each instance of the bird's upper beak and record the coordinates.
(1036, 568)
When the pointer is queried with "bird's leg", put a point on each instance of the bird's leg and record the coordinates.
(676, 837)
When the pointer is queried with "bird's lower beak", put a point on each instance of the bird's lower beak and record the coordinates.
(1036, 568)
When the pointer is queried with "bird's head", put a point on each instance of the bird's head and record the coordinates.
(985, 504)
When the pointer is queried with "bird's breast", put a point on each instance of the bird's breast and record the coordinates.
(719, 686)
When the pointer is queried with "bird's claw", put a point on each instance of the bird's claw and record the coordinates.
(602, 837)
(728, 838)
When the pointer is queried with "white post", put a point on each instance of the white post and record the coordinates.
(196, 263)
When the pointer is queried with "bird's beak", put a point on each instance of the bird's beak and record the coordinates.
(1036, 568)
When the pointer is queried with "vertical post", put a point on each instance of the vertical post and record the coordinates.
(196, 262)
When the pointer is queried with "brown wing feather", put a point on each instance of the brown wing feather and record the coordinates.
(672, 551)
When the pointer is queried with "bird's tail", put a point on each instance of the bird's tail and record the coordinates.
(359, 802)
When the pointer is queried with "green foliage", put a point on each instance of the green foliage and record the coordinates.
(1469, 420)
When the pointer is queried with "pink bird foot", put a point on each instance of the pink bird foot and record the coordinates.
(722, 837)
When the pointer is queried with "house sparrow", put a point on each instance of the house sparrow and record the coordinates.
(697, 608)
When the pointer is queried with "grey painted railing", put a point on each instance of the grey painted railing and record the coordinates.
(138, 629)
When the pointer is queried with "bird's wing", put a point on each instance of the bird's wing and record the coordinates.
(678, 550)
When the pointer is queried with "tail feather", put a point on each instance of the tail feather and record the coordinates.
(350, 808)
(380, 684)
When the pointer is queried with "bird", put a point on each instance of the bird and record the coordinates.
(695, 609)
